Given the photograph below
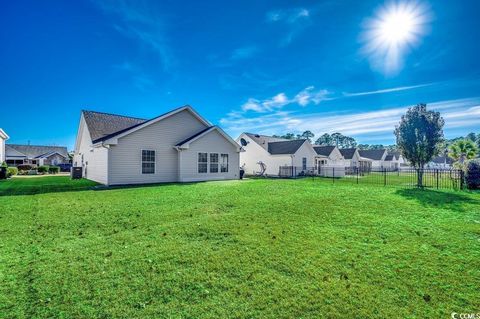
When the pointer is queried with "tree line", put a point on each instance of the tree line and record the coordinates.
(334, 139)
(343, 141)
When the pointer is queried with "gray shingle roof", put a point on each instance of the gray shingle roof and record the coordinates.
(396, 154)
(285, 147)
(263, 140)
(348, 153)
(323, 150)
(441, 160)
(101, 125)
(389, 157)
(33, 151)
(375, 155)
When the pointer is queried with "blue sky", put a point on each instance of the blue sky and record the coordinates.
(258, 66)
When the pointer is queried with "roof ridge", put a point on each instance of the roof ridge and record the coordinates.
(119, 115)
(35, 145)
(293, 140)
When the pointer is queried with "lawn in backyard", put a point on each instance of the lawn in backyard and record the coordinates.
(255, 248)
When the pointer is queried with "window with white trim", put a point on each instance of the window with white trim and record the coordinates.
(224, 163)
(148, 162)
(202, 162)
(213, 163)
(304, 163)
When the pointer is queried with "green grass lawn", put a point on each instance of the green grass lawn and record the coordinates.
(241, 249)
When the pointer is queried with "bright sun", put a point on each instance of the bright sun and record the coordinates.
(395, 28)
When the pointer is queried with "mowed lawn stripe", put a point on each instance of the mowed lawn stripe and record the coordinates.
(252, 248)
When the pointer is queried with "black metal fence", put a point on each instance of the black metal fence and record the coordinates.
(401, 177)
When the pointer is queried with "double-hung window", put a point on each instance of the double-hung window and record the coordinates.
(224, 163)
(304, 163)
(148, 162)
(213, 162)
(202, 162)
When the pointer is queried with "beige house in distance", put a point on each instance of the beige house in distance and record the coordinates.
(178, 146)
(35, 155)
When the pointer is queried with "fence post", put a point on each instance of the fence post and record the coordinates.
(333, 175)
(461, 179)
(356, 168)
(437, 176)
(384, 177)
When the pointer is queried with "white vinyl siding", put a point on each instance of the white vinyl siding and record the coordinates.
(96, 157)
(305, 151)
(211, 143)
(2, 150)
(255, 153)
(162, 137)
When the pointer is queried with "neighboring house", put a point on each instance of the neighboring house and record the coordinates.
(377, 157)
(352, 158)
(36, 155)
(3, 138)
(441, 162)
(178, 146)
(328, 156)
(394, 160)
(274, 153)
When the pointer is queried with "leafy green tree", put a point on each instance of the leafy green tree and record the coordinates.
(348, 142)
(307, 135)
(462, 151)
(471, 136)
(289, 136)
(325, 139)
(419, 134)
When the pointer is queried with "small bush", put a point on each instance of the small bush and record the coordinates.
(11, 171)
(53, 169)
(4, 164)
(472, 175)
(24, 167)
(43, 169)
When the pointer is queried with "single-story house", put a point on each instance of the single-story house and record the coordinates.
(377, 157)
(178, 146)
(3, 138)
(328, 156)
(441, 162)
(352, 158)
(394, 160)
(36, 155)
(266, 154)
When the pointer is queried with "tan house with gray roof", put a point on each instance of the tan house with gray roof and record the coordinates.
(36, 155)
(178, 146)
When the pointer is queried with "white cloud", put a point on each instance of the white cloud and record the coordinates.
(400, 88)
(296, 20)
(365, 126)
(308, 95)
(303, 98)
(289, 16)
(253, 105)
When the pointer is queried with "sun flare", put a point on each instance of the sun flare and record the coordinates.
(396, 28)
